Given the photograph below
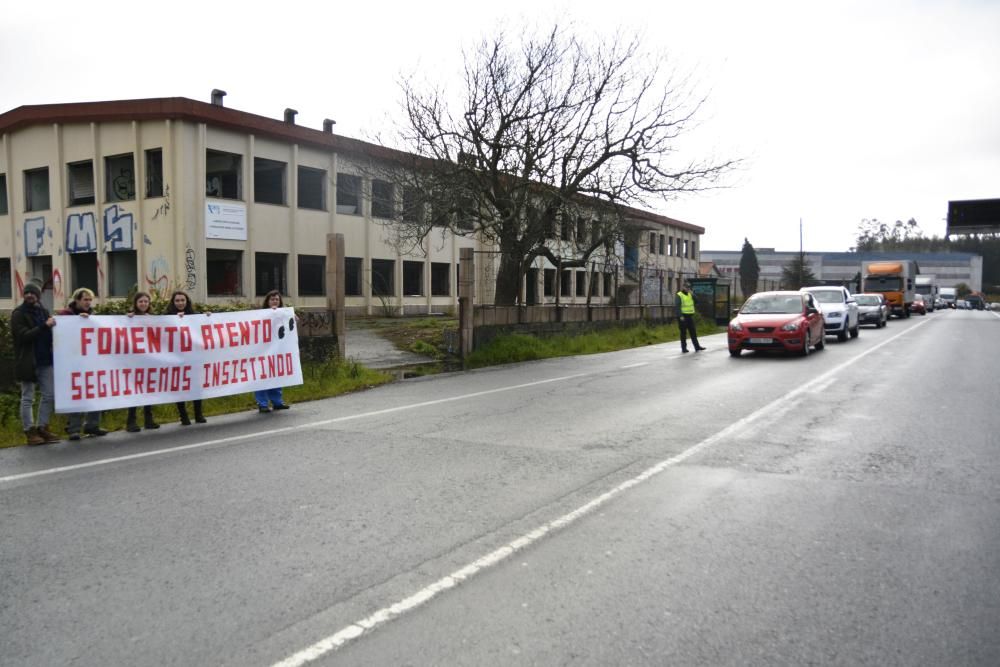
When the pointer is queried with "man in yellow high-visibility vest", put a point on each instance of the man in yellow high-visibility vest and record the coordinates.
(684, 303)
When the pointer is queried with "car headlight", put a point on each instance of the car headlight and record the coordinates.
(735, 326)
(791, 326)
(833, 316)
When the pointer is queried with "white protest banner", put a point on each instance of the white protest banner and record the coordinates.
(115, 361)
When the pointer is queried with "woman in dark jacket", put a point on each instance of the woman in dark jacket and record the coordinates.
(180, 305)
(140, 306)
(91, 421)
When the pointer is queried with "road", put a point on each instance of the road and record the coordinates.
(642, 507)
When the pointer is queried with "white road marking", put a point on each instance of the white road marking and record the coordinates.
(641, 363)
(386, 614)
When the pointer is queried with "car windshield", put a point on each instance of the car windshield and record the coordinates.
(882, 284)
(829, 296)
(865, 300)
(759, 305)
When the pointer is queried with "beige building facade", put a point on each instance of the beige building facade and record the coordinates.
(173, 193)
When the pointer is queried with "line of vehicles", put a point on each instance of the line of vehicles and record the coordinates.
(799, 321)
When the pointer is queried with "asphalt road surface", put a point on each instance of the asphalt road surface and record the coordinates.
(636, 508)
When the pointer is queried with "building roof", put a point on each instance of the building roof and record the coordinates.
(853, 256)
(163, 108)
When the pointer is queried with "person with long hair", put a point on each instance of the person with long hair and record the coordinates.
(271, 399)
(180, 305)
(140, 306)
(81, 304)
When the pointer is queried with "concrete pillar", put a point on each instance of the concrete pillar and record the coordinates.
(335, 289)
(466, 298)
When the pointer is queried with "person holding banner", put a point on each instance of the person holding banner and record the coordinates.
(81, 305)
(273, 396)
(180, 305)
(140, 306)
(31, 328)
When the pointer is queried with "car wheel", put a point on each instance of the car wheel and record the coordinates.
(807, 345)
(821, 343)
(734, 353)
(854, 332)
(842, 334)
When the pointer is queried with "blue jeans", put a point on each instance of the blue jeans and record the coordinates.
(46, 385)
(268, 395)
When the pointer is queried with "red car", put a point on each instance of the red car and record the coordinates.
(777, 321)
(918, 305)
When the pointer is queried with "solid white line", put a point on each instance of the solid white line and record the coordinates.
(641, 363)
(259, 434)
(386, 614)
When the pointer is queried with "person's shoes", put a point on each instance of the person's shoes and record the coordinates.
(34, 437)
(96, 432)
(263, 409)
(282, 406)
(185, 421)
(698, 349)
(200, 420)
(149, 426)
(132, 427)
(48, 435)
(684, 351)
(74, 436)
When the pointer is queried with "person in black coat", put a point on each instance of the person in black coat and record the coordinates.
(180, 305)
(31, 330)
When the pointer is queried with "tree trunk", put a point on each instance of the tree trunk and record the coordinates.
(508, 289)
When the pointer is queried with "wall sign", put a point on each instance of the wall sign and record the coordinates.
(225, 220)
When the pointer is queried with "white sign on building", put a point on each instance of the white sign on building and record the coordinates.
(225, 220)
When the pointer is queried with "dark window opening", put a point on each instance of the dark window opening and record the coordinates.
(119, 178)
(383, 200)
(353, 278)
(531, 287)
(549, 282)
(154, 172)
(312, 188)
(349, 194)
(225, 272)
(81, 183)
(413, 207)
(223, 175)
(663, 244)
(270, 272)
(312, 275)
(581, 231)
(581, 283)
(440, 283)
(607, 284)
(123, 276)
(3, 194)
(685, 253)
(83, 271)
(268, 181)
(383, 272)
(36, 189)
(6, 282)
(413, 278)
(566, 230)
(652, 243)
(566, 286)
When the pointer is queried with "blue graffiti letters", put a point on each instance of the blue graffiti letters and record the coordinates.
(34, 236)
(117, 228)
(81, 233)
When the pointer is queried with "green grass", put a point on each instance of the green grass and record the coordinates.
(513, 348)
(321, 380)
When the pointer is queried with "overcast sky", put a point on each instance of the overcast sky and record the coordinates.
(843, 110)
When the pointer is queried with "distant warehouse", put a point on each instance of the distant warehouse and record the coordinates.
(951, 268)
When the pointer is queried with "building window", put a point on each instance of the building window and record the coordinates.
(440, 283)
(36, 189)
(694, 249)
(595, 284)
(663, 244)
(685, 252)
(154, 172)
(349, 194)
(83, 271)
(81, 183)
(312, 188)
(566, 230)
(413, 278)
(549, 282)
(652, 243)
(670, 246)
(223, 175)
(581, 231)
(581, 283)
(566, 286)
(312, 275)
(607, 284)
(383, 271)
(6, 287)
(119, 178)
(269, 181)
(225, 272)
(3, 194)
(353, 279)
(270, 272)
(122, 274)
(383, 200)
(413, 207)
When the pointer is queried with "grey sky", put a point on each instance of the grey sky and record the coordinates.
(844, 110)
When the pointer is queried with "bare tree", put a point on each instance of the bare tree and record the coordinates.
(551, 131)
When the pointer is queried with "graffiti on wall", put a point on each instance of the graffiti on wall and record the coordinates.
(163, 208)
(34, 236)
(81, 233)
(57, 285)
(158, 278)
(189, 265)
(117, 228)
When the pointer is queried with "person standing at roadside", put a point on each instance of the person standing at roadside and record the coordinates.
(273, 396)
(140, 306)
(180, 305)
(31, 328)
(81, 305)
(684, 305)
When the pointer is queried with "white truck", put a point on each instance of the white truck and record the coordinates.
(949, 294)
(926, 286)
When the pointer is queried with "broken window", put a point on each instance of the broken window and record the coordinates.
(581, 230)
(440, 283)
(3, 194)
(154, 172)
(223, 175)
(566, 286)
(353, 279)
(652, 243)
(383, 271)
(119, 178)
(383, 199)
(312, 188)
(413, 278)
(5, 278)
(81, 183)
(312, 275)
(122, 274)
(36, 189)
(83, 271)
(348, 194)
(269, 181)
(270, 272)
(225, 272)
(549, 282)
(581, 283)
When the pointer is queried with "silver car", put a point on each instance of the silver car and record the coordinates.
(872, 309)
(840, 311)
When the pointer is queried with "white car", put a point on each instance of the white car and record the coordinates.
(840, 310)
